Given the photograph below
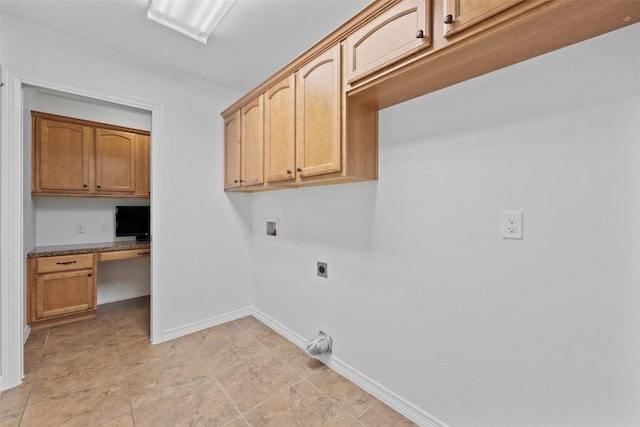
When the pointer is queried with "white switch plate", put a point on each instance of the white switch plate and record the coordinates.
(512, 225)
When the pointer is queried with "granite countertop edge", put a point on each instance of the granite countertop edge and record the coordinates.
(86, 248)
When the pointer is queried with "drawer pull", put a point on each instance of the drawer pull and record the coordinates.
(90, 275)
(66, 262)
(144, 253)
(448, 19)
(420, 34)
(298, 169)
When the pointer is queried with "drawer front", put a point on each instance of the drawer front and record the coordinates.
(64, 263)
(128, 254)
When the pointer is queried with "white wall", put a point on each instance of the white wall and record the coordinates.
(423, 295)
(201, 270)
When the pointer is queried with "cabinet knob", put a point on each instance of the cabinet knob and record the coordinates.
(298, 170)
(448, 19)
(235, 181)
(420, 34)
(289, 172)
(89, 274)
(84, 185)
(98, 186)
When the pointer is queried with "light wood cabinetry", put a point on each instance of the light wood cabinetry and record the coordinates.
(244, 147)
(279, 131)
(399, 31)
(115, 161)
(252, 143)
(143, 166)
(300, 123)
(396, 50)
(232, 159)
(61, 289)
(73, 157)
(318, 116)
(128, 254)
(462, 14)
(62, 154)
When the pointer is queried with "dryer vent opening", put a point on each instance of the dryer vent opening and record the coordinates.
(319, 345)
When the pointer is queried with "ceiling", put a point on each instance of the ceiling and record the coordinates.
(254, 40)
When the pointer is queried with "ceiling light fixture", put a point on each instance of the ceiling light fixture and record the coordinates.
(193, 18)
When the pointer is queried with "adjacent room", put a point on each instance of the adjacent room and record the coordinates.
(320, 212)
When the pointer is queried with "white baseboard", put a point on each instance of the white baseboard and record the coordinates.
(25, 334)
(171, 334)
(115, 298)
(386, 396)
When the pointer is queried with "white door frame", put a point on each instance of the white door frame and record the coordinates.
(12, 188)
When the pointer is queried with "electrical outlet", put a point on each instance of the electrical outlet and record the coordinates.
(322, 269)
(512, 225)
(81, 228)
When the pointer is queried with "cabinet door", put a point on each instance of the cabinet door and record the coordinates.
(63, 293)
(318, 115)
(115, 161)
(143, 166)
(395, 34)
(252, 145)
(461, 14)
(232, 151)
(62, 153)
(279, 131)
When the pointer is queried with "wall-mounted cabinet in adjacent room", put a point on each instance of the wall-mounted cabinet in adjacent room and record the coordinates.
(73, 157)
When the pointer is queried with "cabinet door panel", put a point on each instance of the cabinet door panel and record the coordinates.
(115, 161)
(62, 156)
(466, 13)
(318, 115)
(64, 293)
(232, 151)
(143, 166)
(252, 146)
(279, 137)
(397, 33)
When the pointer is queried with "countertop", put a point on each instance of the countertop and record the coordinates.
(86, 248)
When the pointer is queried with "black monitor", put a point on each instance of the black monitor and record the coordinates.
(133, 221)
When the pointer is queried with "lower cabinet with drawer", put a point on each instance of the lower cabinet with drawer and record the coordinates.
(61, 289)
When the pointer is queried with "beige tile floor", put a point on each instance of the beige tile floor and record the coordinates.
(104, 372)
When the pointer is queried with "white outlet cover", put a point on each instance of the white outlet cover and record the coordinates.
(512, 225)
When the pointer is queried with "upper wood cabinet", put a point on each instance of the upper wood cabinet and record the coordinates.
(279, 131)
(318, 115)
(232, 157)
(244, 147)
(115, 161)
(320, 123)
(396, 33)
(461, 14)
(62, 153)
(73, 157)
(252, 143)
(143, 166)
